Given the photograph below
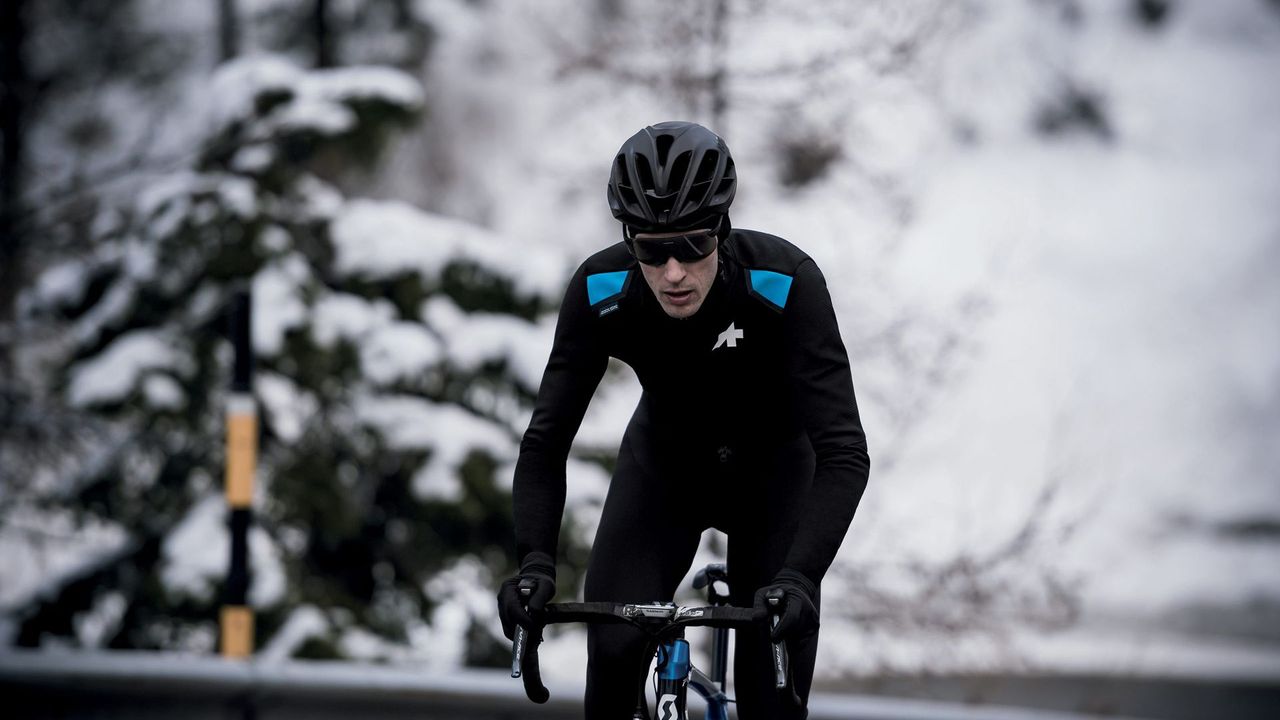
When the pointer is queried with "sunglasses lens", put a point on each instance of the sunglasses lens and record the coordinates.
(684, 248)
(699, 245)
(649, 253)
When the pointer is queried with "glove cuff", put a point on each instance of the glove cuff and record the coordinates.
(795, 577)
(538, 563)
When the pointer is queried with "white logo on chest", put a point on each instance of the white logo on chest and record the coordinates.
(729, 337)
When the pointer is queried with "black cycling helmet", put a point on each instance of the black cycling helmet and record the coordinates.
(672, 176)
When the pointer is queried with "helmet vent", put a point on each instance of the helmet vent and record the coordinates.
(663, 143)
(628, 196)
(644, 176)
(707, 168)
(624, 186)
(727, 182)
(679, 170)
(620, 171)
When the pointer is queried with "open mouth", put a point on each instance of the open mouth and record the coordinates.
(678, 297)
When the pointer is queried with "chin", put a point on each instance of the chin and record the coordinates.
(681, 312)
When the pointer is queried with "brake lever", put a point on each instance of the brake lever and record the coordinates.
(522, 647)
(521, 640)
(781, 661)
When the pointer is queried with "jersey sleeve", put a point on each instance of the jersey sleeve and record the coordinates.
(575, 367)
(821, 390)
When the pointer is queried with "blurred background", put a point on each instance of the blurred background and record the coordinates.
(1050, 230)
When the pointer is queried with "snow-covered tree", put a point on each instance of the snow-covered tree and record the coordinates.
(398, 353)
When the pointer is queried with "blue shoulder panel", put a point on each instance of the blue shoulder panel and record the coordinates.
(602, 286)
(772, 286)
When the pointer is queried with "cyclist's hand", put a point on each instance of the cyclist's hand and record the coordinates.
(799, 605)
(541, 570)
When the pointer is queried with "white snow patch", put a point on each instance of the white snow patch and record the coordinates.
(398, 351)
(448, 431)
(390, 350)
(277, 302)
(95, 626)
(62, 284)
(383, 239)
(238, 84)
(304, 622)
(321, 201)
(112, 374)
(113, 305)
(239, 195)
(342, 316)
(610, 410)
(170, 196)
(289, 409)
(368, 83)
(275, 239)
(316, 114)
(197, 550)
(40, 550)
(253, 158)
(197, 553)
(162, 392)
(586, 483)
(471, 340)
(464, 595)
(317, 101)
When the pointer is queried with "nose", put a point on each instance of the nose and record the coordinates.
(673, 271)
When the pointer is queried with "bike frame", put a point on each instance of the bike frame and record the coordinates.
(709, 688)
(677, 674)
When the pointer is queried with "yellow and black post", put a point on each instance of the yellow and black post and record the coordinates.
(242, 459)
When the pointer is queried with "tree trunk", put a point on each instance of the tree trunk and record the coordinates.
(718, 85)
(15, 87)
(228, 29)
(322, 32)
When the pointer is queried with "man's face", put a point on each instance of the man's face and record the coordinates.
(681, 287)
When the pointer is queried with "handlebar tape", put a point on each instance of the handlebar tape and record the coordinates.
(531, 673)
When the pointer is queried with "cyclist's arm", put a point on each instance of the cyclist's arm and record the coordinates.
(573, 371)
(822, 395)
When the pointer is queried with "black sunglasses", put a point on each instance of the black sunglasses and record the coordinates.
(686, 247)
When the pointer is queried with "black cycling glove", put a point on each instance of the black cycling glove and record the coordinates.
(799, 605)
(541, 570)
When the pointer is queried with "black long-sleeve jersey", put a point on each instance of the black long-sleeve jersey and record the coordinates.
(758, 371)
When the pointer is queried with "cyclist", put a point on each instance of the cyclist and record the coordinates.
(747, 422)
